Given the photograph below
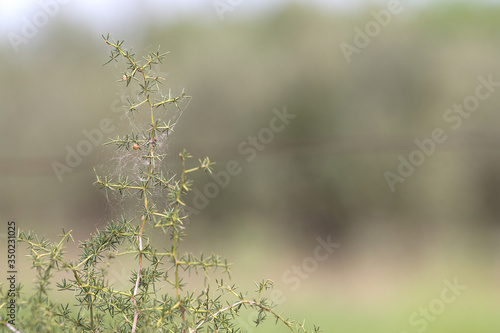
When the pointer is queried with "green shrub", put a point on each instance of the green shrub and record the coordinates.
(148, 305)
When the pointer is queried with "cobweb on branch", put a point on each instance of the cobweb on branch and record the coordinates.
(122, 162)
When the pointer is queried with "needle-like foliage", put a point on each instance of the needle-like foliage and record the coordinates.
(155, 298)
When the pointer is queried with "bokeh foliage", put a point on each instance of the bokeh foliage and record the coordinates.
(322, 174)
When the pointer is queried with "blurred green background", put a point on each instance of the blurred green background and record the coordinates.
(321, 176)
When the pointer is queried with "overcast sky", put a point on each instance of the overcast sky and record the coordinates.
(101, 15)
(12, 11)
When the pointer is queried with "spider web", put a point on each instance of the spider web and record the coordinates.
(128, 163)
